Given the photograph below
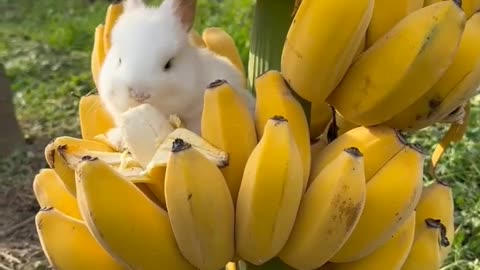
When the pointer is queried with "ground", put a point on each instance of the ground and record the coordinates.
(45, 48)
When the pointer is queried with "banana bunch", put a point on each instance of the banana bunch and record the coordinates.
(283, 187)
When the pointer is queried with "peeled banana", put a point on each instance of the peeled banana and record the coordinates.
(401, 66)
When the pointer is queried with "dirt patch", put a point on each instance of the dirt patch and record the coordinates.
(19, 245)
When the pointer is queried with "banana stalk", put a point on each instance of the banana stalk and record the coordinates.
(271, 22)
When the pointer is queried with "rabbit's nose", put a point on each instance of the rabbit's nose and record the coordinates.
(138, 95)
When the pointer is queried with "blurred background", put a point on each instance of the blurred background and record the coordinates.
(45, 67)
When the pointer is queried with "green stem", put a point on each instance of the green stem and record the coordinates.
(272, 19)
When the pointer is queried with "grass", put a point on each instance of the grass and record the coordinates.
(45, 48)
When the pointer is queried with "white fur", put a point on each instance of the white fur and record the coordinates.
(145, 38)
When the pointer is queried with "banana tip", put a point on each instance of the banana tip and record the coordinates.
(216, 83)
(179, 145)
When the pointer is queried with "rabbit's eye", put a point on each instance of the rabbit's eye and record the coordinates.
(168, 65)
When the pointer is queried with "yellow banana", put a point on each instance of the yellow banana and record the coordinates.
(470, 7)
(387, 14)
(60, 165)
(273, 97)
(200, 207)
(221, 43)
(378, 145)
(425, 252)
(437, 202)
(196, 39)
(328, 213)
(391, 255)
(228, 124)
(398, 182)
(361, 48)
(113, 12)
(213, 153)
(269, 195)
(320, 116)
(94, 119)
(98, 53)
(68, 244)
(451, 90)
(50, 191)
(315, 54)
(131, 227)
(431, 2)
(401, 66)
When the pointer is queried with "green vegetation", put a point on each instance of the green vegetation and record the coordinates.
(45, 47)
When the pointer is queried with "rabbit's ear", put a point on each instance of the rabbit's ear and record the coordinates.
(132, 4)
(184, 11)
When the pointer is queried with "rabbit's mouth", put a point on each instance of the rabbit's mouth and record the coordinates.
(139, 96)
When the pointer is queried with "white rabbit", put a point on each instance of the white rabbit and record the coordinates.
(152, 61)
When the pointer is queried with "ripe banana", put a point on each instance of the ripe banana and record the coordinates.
(113, 12)
(386, 15)
(131, 227)
(200, 207)
(228, 124)
(221, 43)
(50, 191)
(213, 153)
(437, 202)
(98, 53)
(68, 244)
(453, 88)
(316, 55)
(328, 213)
(320, 116)
(269, 195)
(196, 39)
(378, 145)
(391, 255)
(470, 7)
(398, 182)
(94, 119)
(429, 238)
(401, 66)
(60, 165)
(273, 97)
